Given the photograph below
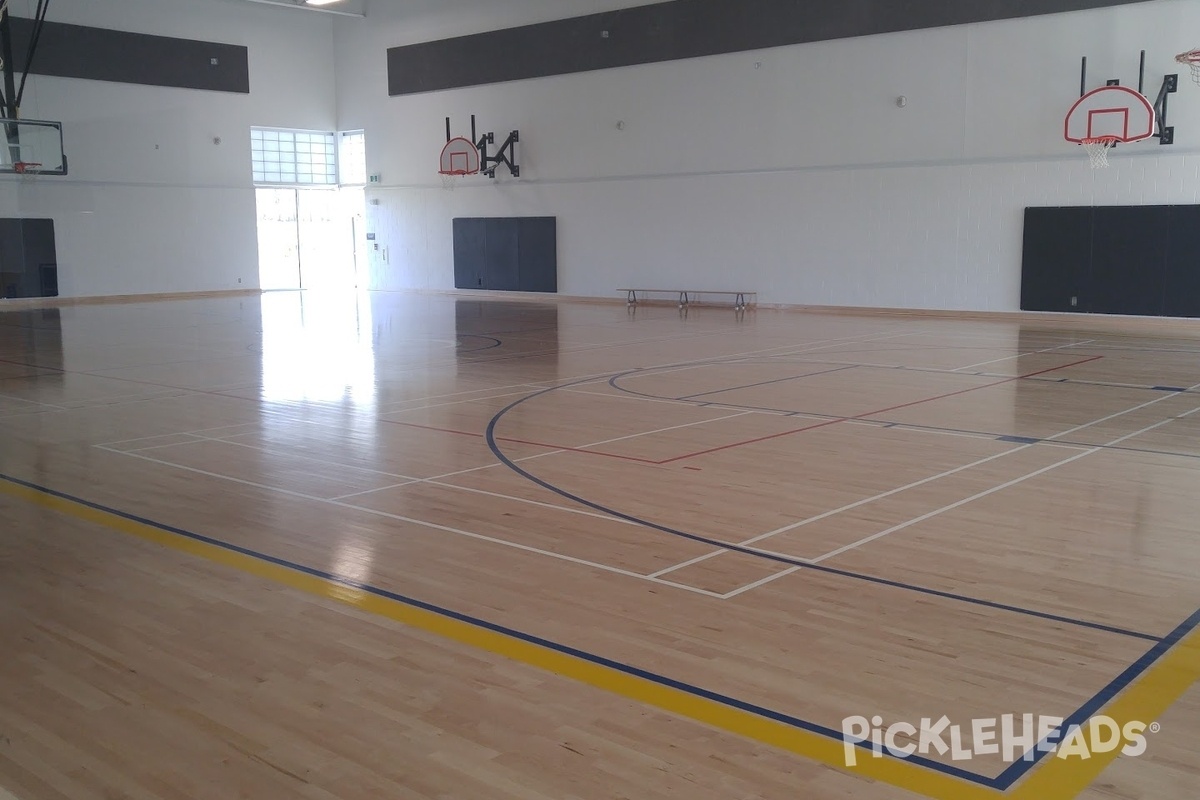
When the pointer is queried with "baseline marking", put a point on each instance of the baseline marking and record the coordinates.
(1158, 679)
(426, 524)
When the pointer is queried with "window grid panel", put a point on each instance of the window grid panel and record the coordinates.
(293, 157)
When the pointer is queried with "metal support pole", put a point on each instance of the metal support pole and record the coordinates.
(6, 52)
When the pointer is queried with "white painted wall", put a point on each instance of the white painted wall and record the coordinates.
(151, 204)
(800, 179)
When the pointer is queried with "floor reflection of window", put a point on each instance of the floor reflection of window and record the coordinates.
(318, 349)
(353, 560)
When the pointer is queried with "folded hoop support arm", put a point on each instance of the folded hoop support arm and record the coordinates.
(506, 155)
(1170, 85)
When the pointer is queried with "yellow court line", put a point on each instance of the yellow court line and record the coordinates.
(1145, 700)
(1055, 780)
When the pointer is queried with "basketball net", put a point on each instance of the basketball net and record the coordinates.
(1097, 150)
(450, 180)
(1192, 59)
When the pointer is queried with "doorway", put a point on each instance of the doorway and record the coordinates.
(310, 194)
(306, 238)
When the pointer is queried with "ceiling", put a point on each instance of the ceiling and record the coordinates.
(522, 11)
(354, 8)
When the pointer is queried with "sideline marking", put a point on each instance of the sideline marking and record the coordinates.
(1166, 671)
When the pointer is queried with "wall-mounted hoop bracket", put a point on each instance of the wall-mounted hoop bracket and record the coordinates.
(1166, 133)
(1163, 132)
(506, 155)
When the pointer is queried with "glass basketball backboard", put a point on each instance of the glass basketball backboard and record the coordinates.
(31, 147)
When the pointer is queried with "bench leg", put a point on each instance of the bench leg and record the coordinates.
(631, 298)
(683, 299)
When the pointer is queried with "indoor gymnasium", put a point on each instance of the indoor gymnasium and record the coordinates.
(589, 399)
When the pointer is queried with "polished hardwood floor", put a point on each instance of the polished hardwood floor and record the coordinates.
(426, 546)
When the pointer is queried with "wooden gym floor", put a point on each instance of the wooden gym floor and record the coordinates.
(426, 547)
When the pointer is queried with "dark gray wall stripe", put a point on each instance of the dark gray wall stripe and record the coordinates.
(99, 54)
(682, 29)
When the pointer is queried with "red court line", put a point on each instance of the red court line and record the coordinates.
(876, 412)
(522, 441)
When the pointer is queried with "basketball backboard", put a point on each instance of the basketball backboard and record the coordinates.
(32, 147)
(459, 157)
(1110, 112)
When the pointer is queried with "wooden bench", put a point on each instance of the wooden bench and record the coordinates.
(688, 296)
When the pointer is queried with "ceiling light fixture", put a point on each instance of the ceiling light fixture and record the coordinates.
(345, 8)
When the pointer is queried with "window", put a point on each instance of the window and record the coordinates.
(352, 158)
(293, 157)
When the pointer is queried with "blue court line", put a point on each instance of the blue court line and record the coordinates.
(1018, 769)
(584, 655)
(494, 342)
(1002, 782)
(767, 383)
(1019, 439)
(490, 436)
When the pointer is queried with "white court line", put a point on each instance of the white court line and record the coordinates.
(939, 370)
(568, 384)
(922, 482)
(936, 432)
(422, 523)
(624, 396)
(688, 563)
(177, 433)
(1022, 355)
(460, 394)
(194, 440)
(967, 434)
(660, 430)
(732, 359)
(759, 583)
(32, 402)
(380, 489)
(338, 502)
(995, 489)
(382, 413)
(947, 473)
(556, 452)
(579, 511)
(300, 456)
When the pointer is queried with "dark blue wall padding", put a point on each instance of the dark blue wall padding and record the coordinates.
(100, 54)
(682, 29)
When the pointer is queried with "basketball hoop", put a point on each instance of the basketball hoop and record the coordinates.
(1097, 150)
(459, 157)
(1192, 59)
(27, 168)
(1104, 117)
